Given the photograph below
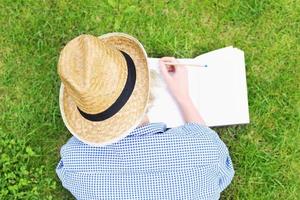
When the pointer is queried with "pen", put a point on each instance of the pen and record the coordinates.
(185, 64)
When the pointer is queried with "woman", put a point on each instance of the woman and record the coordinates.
(115, 152)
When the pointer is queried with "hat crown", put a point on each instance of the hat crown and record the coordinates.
(92, 72)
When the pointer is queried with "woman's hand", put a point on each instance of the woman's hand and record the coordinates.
(177, 82)
(176, 78)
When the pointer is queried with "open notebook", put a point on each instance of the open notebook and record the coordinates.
(219, 90)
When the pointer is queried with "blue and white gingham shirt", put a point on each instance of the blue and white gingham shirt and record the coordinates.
(185, 162)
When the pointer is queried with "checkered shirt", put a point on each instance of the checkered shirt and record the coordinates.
(152, 162)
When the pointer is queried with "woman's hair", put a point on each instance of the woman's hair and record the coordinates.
(155, 83)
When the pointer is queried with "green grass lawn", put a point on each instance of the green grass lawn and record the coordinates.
(265, 153)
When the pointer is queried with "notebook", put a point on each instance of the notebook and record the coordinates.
(219, 90)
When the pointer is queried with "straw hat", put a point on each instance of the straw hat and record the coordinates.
(105, 87)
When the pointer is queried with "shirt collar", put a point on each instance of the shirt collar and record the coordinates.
(150, 128)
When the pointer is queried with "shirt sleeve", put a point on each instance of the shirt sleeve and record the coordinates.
(226, 170)
(70, 164)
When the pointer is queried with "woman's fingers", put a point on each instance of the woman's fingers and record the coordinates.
(164, 70)
(168, 59)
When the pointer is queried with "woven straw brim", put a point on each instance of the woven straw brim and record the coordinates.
(122, 123)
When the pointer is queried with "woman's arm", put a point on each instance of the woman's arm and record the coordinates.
(177, 82)
(189, 111)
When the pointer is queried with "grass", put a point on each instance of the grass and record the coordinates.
(265, 153)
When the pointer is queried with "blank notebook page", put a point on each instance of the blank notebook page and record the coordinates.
(219, 90)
